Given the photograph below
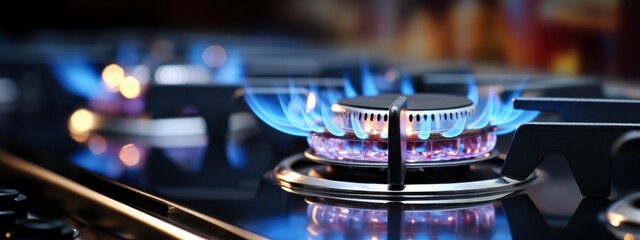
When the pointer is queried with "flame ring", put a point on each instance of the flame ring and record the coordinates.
(471, 144)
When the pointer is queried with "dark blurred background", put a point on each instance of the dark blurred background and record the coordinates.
(595, 37)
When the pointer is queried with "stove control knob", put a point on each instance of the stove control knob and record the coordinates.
(12, 200)
(44, 229)
(7, 222)
(7, 198)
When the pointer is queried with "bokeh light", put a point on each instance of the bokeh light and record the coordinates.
(81, 121)
(112, 77)
(130, 87)
(129, 155)
(214, 56)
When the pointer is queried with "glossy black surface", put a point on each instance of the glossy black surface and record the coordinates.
(224, 177)
(396, 172)
(225, 180)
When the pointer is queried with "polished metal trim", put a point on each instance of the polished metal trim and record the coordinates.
(311, 155)
(172, 127)
(443, 119)
(292, 180)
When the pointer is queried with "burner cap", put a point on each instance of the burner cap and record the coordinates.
(433, 124)
(417, 102)
(439, 112)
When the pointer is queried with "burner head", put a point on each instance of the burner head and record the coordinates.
(438, 111)
(435, 132)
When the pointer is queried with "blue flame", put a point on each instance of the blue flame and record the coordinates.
(507, 118)
(406, 87)
(232, 71)
(456, 129)
(236, 154)
(76, 75)
(472, 89)
(349, 91)
(483, 116)
(269, 111)
(310, 121)
(526, 116)
(127, 54)
(425, 129)
(368, 84)
(498, 113)
(331, 96)
(290, 109)
(194, 52)
(331, 126)
(357, 129)
(295, 110)
(300, 110)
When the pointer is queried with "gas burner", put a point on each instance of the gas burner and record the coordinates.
(400, 155)
(434, 129)
(468, 147)
(452, 185)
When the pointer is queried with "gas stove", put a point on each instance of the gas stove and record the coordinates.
(361, 153)
(374, 154)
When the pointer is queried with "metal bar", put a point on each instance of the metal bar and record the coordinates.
(585, 109)
(397, 145)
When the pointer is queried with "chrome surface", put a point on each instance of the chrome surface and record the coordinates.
(292, 178)
(166, 127)
(311, 155)
(440, 112)
(115, 217)
(623, 217)
(439, 123)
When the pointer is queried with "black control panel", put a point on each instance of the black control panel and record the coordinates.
(17, 223)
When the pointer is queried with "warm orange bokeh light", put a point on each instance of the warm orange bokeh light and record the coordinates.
(81, 121)
(112, 77)
(130, 88)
